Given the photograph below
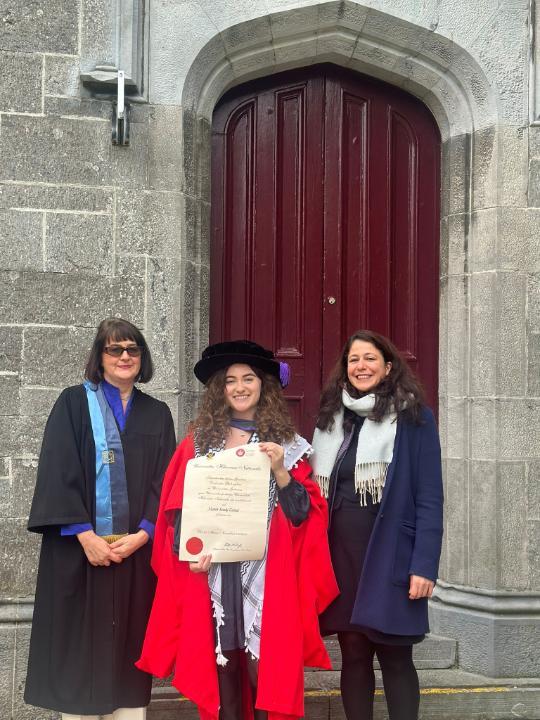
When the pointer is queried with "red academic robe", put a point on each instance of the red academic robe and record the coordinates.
(299, 585)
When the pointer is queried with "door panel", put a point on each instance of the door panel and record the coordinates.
(325, 191)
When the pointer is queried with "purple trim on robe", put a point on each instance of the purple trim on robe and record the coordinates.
(112, 395)
(148, 527)
(75, 528)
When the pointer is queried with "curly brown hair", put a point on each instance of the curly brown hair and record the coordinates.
(272, 418)
(399, 389)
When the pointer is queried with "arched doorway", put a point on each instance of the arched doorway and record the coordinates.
(325, 219)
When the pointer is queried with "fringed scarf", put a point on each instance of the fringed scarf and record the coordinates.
(373, 455)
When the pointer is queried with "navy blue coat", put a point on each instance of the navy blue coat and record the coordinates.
(407, 535)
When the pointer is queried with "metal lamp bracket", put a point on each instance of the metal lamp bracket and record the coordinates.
(120, 115)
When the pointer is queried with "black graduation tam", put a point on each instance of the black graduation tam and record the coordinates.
(223, 355)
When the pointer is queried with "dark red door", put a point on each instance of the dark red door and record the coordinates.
(325, 220)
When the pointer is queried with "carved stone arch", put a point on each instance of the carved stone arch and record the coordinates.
(433, 68)
(442, 74)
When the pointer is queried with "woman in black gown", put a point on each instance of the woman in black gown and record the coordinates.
(377, 459)
(105, 449)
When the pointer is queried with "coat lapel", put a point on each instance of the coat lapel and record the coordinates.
(392, 466)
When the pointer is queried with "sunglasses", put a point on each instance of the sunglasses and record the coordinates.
(117, 350)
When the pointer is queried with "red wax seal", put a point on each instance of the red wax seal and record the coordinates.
(194, 545)
(240, 452)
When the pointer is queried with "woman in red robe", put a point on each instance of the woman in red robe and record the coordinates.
(238, 635)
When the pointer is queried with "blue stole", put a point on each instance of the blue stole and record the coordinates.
(112, 505)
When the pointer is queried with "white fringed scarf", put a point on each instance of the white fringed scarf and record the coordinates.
(373, 455)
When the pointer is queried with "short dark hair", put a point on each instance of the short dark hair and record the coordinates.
(118, 330)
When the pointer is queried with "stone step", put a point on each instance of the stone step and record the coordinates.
(445, 695)
(435, 652)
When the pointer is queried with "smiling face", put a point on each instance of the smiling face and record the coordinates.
(121, 371)
(366, 366)
(242, 391)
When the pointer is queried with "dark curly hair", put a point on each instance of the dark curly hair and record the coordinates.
(399, 389)
(272, 417)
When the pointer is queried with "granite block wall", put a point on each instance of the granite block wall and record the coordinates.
(87, 230)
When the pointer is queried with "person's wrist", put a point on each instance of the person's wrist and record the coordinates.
(282, 477)
(143, 536)
(84, 536)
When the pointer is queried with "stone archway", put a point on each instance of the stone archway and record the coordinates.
(431, 67)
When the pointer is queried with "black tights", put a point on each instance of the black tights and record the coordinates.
(230, 685)
(358, 679)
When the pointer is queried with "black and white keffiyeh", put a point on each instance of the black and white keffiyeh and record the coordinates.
(252, 572)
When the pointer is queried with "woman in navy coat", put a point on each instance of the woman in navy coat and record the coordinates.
(377, 459)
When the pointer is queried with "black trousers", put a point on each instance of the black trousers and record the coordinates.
(400, 678)
(230, 685)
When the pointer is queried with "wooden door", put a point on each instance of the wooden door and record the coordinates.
(325, 220)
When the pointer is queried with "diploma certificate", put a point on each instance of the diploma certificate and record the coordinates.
(225, 507)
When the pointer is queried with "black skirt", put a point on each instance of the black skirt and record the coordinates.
(349, 535)
(350, 530)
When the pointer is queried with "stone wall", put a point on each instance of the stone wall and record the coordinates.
(88, 229)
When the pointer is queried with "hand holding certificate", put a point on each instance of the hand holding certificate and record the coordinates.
(225, 507)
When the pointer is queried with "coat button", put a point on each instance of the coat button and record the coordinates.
(381, 515)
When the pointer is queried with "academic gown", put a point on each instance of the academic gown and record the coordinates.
(299, 585)
(89, 622)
